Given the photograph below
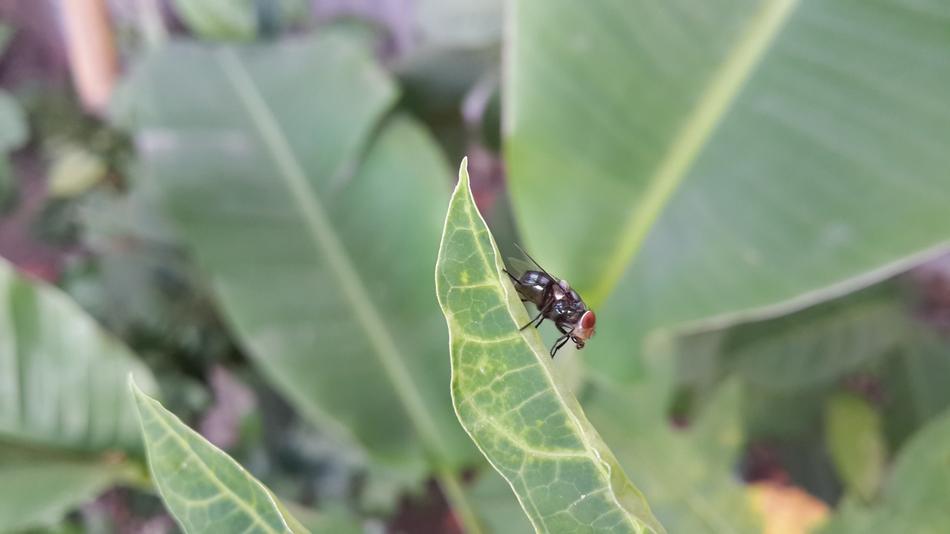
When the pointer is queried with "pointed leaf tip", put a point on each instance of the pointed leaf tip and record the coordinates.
(463, 171)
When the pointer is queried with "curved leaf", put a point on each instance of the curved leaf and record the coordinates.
(204, 488)
(61, 376)
(856, 444)
(916, 497)
(317, 237)
(528, 425)
(61, 385)
(758, 151)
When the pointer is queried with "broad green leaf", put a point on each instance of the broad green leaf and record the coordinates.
(318, 236)
(818, 345)
(916, 497)
(61, 386)
(510, 400)
(856, 443)
(61, 376)
(697, 161)
(39, 486)
(916, 382)
(204, 488)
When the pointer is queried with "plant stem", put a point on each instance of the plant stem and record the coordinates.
(456, 498)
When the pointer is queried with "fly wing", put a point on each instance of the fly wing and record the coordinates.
(526, 263)
(519, 266)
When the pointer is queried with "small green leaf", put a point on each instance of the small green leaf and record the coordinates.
(13, 126)
(856, 444)
(75, 170)
(916, 497)
(234, 19)
(508, 398)
(13, 133)
(204, 488)
(219, 19)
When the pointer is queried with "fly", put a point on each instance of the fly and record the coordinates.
(557, 302)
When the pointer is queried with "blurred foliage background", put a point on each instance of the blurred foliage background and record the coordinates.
(240, 202)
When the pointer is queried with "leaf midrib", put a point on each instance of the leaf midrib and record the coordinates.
(325, 240)
(714, 103)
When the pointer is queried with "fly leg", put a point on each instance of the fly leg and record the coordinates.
(538, 319)
(561, 341)
(540, 316)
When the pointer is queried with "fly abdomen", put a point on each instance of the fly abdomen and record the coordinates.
(533, 286)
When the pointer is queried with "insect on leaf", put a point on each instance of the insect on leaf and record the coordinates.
(528, 425)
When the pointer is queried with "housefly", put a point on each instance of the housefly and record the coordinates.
(557, 302)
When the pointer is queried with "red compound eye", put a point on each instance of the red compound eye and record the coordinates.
(588, 320)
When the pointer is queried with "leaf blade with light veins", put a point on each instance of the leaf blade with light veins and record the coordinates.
(204, 488)
(528, 425)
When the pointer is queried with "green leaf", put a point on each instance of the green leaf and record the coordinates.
(204, 488)
(317, 235)
(13, 133)
(505, 516)
(13, 127)
(818, 345)
(39, 486)
(61, 376)
(689, 475)
(232, 19)
(74, 171)
(61, 385)
(332, 519)
(509, 399)
(856, 443)
(916, 382)
(735, 165)
(219, 19)
(916, 497)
